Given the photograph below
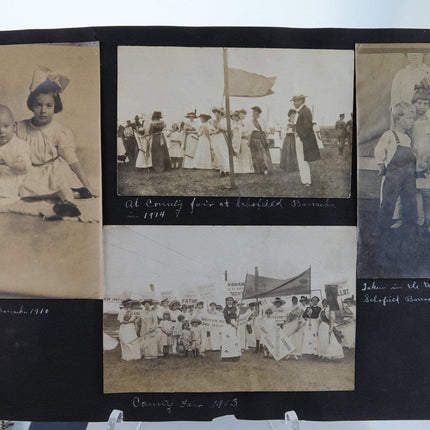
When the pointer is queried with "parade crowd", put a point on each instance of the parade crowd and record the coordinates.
(166, 329)
(200, 142)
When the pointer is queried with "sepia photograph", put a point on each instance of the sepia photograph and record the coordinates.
(50, 171)
(393, 138)
(227, 309)
(234, 122)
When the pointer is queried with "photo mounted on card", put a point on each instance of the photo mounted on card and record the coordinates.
(393, 135)
(50, 171)
(228, 309)
(234, 122)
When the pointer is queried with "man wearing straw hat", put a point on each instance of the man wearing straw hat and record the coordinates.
(306, 144)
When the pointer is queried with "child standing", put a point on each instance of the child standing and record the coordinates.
(14, 158)
(177, 332)
(176, 150)
(397, 163)
(166, 326)
(186, 338)
(197, 338)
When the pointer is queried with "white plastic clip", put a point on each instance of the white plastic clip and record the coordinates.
(292, 421)
(116, 416)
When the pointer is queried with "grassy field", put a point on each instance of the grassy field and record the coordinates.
(331, 177)
(210, 374)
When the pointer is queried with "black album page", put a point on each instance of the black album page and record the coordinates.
(229, 234)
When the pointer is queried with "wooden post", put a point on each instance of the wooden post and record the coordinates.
(227, 112)
(256, 286)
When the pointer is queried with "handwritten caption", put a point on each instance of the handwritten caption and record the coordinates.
(152, 209)
(23, 311)
(396, 293)
(170, 405)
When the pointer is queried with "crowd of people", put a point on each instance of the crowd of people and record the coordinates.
(200, 142)
(162, 329)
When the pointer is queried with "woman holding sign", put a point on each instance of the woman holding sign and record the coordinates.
(230, 344)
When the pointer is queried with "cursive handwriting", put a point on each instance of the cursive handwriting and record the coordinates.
(24, 312)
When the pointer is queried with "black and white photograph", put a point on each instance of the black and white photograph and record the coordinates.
(234, 122)
(227, 309)
(50, 171)
(393, 135)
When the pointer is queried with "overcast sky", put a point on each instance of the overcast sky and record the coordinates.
(177, 258)
(178, 80)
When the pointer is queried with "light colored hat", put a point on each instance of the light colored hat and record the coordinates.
(42, 74)
(196, 320)
(300, 96)
(279, 300)
(173, 303)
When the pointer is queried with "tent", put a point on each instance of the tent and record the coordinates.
(261, 286)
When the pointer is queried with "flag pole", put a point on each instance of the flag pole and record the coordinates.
(227, 110)
(256, 285)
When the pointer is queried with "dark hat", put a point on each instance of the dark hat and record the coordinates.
(315, 297)
(147, 301)
(303, 299)
(268, 311)
(156, 115)
(298, 97)
(212, 303)
(252, 305)
(257, 109)
(196, 320)
(190, 306)
(229, 298)
(126, 301)
(219, 307)
(235, 113)
(205, 116)
(174, 302)
(341, 114)
(200, 303)
(279, 300)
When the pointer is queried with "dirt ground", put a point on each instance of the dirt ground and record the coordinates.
(331, 177)
(210, 374)
(48, 258)
(402, 253)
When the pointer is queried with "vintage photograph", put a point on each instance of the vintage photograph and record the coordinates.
(207, 309)
(50, 171)
(393, 138)
(234, 122)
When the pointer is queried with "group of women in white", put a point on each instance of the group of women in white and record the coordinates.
(169, 328)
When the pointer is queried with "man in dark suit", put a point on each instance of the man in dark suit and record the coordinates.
(341, 132)
(306, 146)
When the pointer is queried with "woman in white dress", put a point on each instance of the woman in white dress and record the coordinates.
(202, 157)
(190, 129)
(324, 330)
(230, 344)
(219, 141)
(294, 327)
(213, 340)
(130, 348)
(243, 157)
(310, 335)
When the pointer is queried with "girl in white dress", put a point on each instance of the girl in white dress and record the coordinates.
(190, 132)
(166, 328)
(176, 150)
(202, 157)
(55, 166)
(219, 141)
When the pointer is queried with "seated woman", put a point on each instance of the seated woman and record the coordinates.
(56, 170)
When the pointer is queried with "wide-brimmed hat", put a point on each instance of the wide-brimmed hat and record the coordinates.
(191, 115)
(298, 97)
(155, 301)
(173, 303)
(196, 320)
(303, 299)
(218, 109)
(229, 298)
(147, 301)
(257, 109)
(156, 115)
(212, 303)
(126, 301)
(201, 302)
(279, 300)
(242, 111)
(205, 116)
(315, 297)
(268, 311)
(164, 300)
